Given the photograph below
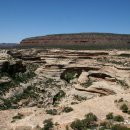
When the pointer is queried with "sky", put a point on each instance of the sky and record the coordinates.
(20, 19)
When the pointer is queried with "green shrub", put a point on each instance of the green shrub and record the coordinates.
(88, 122)
(12, 69)
(51, 112)
(91, 117)
(48, 124)
(67, 127)
(120, 100)
(119, 127)
(124, 108)
(79, 98)
(23, 77)
(73, 103)
(4, 87)
(7, 104)
(69, 76)
(109, 116)
(29, 92)
(106, 125)
(119, 118)
(128, 111)
(58, 96)
(67, 109)
(78, 125)
(102, 128)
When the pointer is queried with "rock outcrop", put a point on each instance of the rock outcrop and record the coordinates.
(82, 39)
(34, 81)
(12, 69)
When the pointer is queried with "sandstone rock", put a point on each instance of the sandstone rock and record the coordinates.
(37, 128)
(15, 54)
(100, 91)
(110, 79)
(5, 80)
(24, 113)
(14, 92)
(106, 79)
(5, 129)
(25, 57)
(23, 128)
(83, 77)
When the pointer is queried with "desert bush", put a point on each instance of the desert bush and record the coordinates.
(7, 104)
(23, 77)
(49, 81)
(58, 96)
(4, 87)
(48, 124)
(78, 125)
(32, 67)
(119, 118)
(119, 127)
(67, 127)
(69, 76)
(12, 69)
(102, 128)
(67, 109)
(79, 98)
(109, 116)
(88, 122)
(73, 103)
(124, 108)
(28, 93)
(91, 117)
(115, 127)
(51, 112)
(128, 111)
(105, 125)
(120, 100)
(123, 84)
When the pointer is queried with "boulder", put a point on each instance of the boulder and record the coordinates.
(14, 54)
(83, 78)
(4, 79)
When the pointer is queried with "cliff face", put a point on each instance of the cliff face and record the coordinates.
(77, 39)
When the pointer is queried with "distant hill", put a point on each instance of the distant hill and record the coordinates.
(4, 45)
(80, 39)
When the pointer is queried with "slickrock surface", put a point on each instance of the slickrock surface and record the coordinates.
(35, 80)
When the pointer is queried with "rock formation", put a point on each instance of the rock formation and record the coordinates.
(82, 39)
(34, 81)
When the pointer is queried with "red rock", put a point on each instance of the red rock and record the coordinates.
(105, 39)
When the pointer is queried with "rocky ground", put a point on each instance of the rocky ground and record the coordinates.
(38, 84)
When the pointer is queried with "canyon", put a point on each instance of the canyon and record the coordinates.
(38, 84)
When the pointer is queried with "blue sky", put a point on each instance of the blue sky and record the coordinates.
(26, 18)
